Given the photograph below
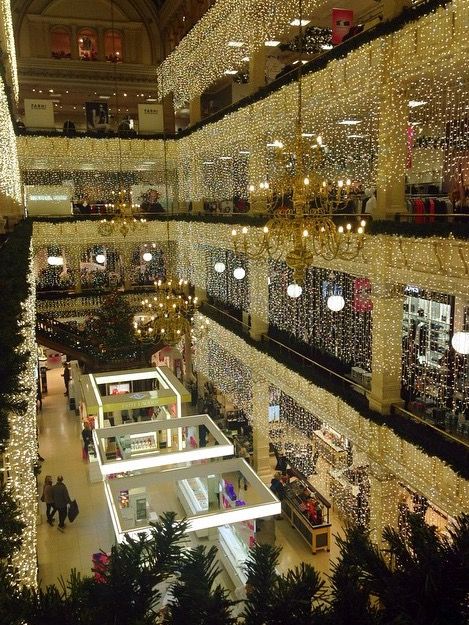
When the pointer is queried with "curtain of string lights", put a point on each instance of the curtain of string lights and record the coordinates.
(229, 374)
(346, 335)
(224, 287)
(101, 266)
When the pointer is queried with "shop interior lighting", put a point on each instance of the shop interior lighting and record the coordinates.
(272, 43)
(230, 72)
(416, 103)
(299, 22)
(235, 44)
(349, 122)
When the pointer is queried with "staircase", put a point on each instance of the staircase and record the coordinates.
(76, 345)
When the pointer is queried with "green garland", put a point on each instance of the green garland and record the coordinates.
(14, 287)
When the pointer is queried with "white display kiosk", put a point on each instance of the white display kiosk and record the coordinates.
(140, 446)
(121, 396)
(166, 480)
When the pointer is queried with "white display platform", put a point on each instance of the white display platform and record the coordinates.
(194, 499)
(233, 554)
(159, 457)
(170, 392)
(268, 505)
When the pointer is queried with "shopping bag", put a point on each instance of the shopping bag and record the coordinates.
(73, 511)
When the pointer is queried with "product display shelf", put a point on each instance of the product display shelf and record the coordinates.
(194, 499)
(233, 554)
(331, 451)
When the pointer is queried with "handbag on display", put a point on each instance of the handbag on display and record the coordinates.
(73, 511)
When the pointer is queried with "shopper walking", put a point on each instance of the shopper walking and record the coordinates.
(61, 501)
(66, 377)
(48, 499)
(87, 437)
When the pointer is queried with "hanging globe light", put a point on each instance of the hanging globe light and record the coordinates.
(335, 303)
(460, 342)
(55, 261)
(239, 273)
(147, 257)
(220, 267)
(100, 258)
(294, 290)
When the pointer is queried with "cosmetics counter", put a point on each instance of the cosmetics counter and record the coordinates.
(308, 511)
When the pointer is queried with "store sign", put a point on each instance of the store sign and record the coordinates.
(362, 301)
(342, 20)
(150, 118)
(39, 113)
(48, 200)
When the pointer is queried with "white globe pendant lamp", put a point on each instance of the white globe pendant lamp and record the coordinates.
(335, 303)
(219, 267)
(239, 273)
(55, 261)
(460, 342)
(100, 258)
(147, 256)
(294, 290)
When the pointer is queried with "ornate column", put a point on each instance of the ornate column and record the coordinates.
(257, 60)
(392, 141)
(74, 42)
(386, 347)
(101, 55)
(259, 298)
(260, 428)
(195, 110)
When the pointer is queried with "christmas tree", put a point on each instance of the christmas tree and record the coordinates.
(112, 326)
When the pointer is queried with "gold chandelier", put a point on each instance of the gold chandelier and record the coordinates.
(168, 314)
(301, 204)
(122, 221)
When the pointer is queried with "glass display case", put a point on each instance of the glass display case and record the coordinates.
(193, 495)
(132, 445)
(234, 552)
(331, 445)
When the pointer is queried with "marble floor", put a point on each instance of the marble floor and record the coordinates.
(60, 445)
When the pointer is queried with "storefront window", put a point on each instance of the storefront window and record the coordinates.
(60, 43)
(113, 46)
(428, 360)
(87, 45)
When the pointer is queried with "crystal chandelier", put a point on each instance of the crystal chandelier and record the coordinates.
(168, 314)
(301, 204)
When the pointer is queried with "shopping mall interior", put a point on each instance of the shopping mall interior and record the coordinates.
(234, 265)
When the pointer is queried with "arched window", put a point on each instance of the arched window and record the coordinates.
(113, 46)
(60, 43)
(87, 45)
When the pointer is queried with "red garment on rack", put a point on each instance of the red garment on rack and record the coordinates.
(431, 207)
(419, 210)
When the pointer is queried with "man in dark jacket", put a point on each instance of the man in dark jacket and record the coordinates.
(61, 501)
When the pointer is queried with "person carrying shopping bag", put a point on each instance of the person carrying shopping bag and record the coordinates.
(48, 498)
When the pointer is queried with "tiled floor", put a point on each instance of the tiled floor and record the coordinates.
(60, 445)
